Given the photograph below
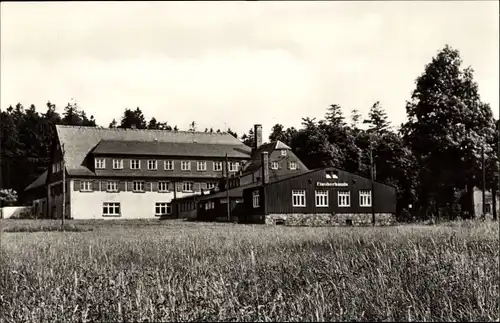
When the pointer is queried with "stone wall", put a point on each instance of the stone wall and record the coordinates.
(326, 219)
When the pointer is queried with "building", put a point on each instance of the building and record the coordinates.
(281, 163)
(37, 193)
(131, 173)
(491, 206)
(324, 195)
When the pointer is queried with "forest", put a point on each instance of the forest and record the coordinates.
(447, 146)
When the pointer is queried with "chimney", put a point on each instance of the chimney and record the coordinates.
(133, 126)
(265, 167)
(257, 133)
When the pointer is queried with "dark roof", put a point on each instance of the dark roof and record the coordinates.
(233, 192)
(79, 141)
(39, 182)
(152, 148)
(321, 168)
(256, 161)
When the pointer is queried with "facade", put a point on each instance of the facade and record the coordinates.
(325, 195)
(491, 206)
(130, 173)
(280, 163)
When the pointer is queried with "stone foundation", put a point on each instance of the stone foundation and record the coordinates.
(326, 219)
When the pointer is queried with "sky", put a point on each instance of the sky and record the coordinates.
(236, 64)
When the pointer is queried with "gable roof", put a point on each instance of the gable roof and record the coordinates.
(40, 181)
(150, 148)
(324, 168)
(79, 141)
(256, 161)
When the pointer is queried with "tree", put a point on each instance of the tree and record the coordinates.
(249, 139)
(74, 116)
(446, 128)
(377, 119)
(192, 126)
(133, 117)
(113, 124)
(334, 116)
(232, 133)
(355, 117)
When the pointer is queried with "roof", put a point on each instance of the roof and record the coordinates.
(79, 141)
(233, 192)
(321, 168)
(39, 182)
(171, 149)
(256, 161)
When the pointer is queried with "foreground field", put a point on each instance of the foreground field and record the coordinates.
(175, 271)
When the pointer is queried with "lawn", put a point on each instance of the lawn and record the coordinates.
(181, 271)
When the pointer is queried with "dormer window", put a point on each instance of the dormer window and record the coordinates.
(283, 152)
(332, 174)
(292, 165)
(117, 163)
(135, 164)
(274, 165)
(100, 163)
(152, 164)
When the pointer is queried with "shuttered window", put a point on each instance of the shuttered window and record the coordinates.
(163, 186)
(112, 187)
(138, 186)
(187, 186)
(86, 186)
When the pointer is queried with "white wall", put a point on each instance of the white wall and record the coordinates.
(13, 212)
(88, 205)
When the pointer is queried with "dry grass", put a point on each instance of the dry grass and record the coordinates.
(174, 271)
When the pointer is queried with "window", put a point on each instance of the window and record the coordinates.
(274, 165)
(299, 198)
(201, 166)
(283, 152)
(332, 174)
(255, 198)
(112, 187)
(322, 198)
(152, 164)
(185, 165)
(344, 198)
(292, 165)
(169, 164)
(163, 186)
(138, 186)
(100, 163)
(233, 166)
(163, 208)
(86, 186)
(210, 205)
(110, 209)
(135, 164)
(218, 166)
(117, 163)
(210, 186)
(365, 198)
(187, 186)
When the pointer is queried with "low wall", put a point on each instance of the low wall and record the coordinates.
(326, 219)
(13, 212)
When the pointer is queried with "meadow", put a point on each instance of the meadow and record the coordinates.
(181, 271)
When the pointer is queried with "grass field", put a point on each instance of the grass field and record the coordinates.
(178, 271)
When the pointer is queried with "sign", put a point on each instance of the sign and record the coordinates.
(332, 184)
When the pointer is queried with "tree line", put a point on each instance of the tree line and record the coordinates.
(434, 159)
